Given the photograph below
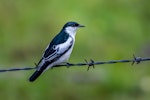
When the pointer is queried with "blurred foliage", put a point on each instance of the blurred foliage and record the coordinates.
(115, 29)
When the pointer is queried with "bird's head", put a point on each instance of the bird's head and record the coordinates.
(71, 27)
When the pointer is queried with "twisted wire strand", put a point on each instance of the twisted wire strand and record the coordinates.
(91, 63)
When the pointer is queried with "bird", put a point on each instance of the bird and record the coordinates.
(59, 49)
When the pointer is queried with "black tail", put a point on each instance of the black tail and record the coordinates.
(35, 75)
(38, 72)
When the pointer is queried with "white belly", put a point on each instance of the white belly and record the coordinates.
(65, 57)
(62, 59)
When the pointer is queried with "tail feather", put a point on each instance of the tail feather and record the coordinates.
(35, 75)
(39, 71)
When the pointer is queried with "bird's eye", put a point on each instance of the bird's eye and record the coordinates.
(74, 25)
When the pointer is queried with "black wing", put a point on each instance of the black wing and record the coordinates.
(59, 39)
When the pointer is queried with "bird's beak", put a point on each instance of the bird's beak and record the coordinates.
(81, 26)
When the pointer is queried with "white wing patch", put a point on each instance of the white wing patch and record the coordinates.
(64, 46)
(59, 49)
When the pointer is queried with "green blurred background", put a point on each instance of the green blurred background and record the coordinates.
(115, 29)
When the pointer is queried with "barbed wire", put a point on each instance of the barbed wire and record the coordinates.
(91, 63)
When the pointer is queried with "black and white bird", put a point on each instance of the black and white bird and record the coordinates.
(59, 49)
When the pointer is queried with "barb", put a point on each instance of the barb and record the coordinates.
(91, 63)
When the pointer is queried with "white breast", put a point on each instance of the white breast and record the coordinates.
(65, 45)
